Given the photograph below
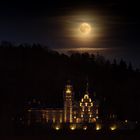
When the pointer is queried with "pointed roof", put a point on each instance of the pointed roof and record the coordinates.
(87, 88)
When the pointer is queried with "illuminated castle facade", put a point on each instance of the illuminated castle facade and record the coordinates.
(84, 111)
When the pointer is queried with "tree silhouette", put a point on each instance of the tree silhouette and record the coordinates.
(33, 71)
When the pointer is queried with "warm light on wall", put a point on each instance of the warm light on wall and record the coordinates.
(57, 127)
(96, 111)
(85, 127)
(73, 126)
(113, 127)
(98, 127)
(73, 111)
(68, 91)
(47, 119)
(94, 120)
(61, 119)
(86, 96)
(97, 117)
(29, 110)
(54, 119)
(126, 121)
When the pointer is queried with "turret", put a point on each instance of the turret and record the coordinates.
(68, 102)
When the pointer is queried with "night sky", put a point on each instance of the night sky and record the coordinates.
(55, 23)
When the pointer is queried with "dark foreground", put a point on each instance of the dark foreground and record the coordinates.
(78, 136)
(42, 134)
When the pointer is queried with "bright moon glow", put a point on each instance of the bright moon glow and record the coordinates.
(85, 28)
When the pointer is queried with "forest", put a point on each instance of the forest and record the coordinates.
(30, 72)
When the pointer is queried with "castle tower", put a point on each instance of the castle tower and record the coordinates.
(68, 102)
(87, 108)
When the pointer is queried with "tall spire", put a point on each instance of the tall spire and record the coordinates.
(68, 82)
(87, 86)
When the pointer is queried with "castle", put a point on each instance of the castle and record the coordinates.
(84, 111)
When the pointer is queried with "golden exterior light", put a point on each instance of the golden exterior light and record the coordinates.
(68, 91)
(61, 119)
(73, 126)
(96, 111)
(85, 127)
(47, 118)
(126, 121)
(97, 117)
(98, 127)
(53, 119)
(68, 105)
(94, 120)
(29, 110)
(86, 96)
(113, 127)
(57, 128)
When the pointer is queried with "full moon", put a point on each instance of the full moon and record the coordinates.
(85, 28)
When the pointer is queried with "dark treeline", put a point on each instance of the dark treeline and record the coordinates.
(32, 71)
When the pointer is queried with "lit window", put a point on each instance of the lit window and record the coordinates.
(86, 104)
(86, 96)
(94, 120)
(90, 115)
(82, 115)
(96, 111)
(84, 127)
(126, 121)
(91, 104)
(61, 119)
(82, 99)
(68, 91)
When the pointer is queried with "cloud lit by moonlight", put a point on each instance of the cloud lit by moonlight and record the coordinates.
(82, 30)
(78, 29)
